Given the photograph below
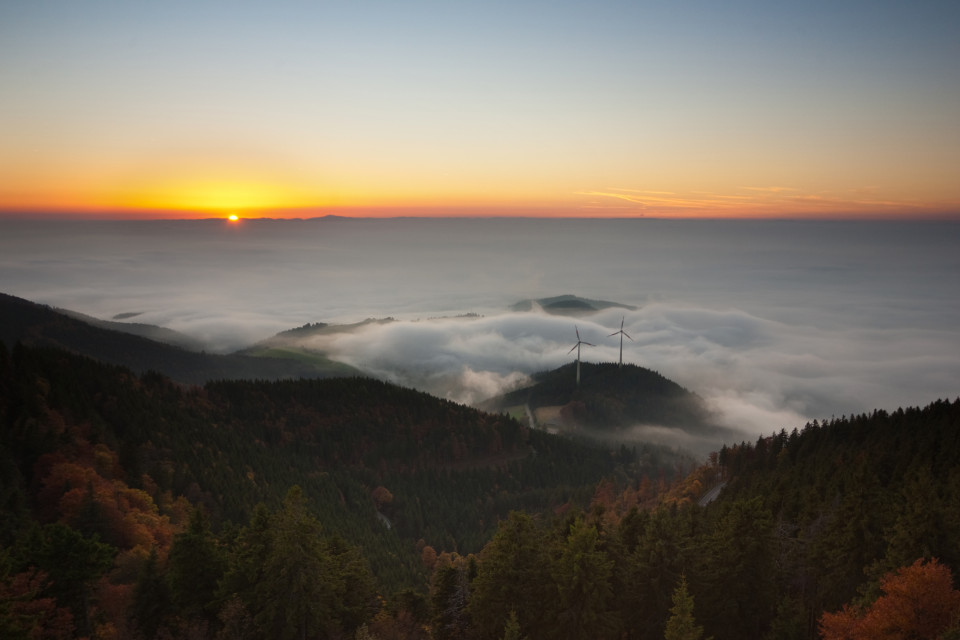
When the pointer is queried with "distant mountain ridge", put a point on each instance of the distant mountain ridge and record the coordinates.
(39, 325)
(568, 305)
(148, 331)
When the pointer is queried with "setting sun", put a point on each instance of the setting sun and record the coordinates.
(233, 217)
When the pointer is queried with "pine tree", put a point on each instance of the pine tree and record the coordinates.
(151, 598)
(583, 575)
(681, 625)
(196, 565)
(511, 631)
(513, 576)
(449, 595)
(295, 595)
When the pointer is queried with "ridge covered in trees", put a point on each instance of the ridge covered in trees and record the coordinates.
(351, 508)
(122, 459)
(612, 399)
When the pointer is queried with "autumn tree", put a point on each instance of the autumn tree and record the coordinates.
(918, 603)
(71, 562)
(25, 614)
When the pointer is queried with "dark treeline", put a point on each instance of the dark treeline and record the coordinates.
(857, 516)
(136, 508)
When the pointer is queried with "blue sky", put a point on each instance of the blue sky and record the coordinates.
(608, 108)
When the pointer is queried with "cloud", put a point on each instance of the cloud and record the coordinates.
(759, 375)
(773, 323)
(770, 189)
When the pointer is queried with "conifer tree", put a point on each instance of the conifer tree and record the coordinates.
(151, 598)
(681, 624)
(583, 575)
(511, 631)
(513, 576)
(450, 592)
(295, 593)
(196, 565)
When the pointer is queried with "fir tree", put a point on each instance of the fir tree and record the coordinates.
(196, 566)
(151, 598)
(681, 625)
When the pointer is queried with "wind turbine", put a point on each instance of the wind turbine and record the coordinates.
(622, 333)
(577, 347)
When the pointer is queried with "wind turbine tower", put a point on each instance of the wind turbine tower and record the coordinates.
(622, 333)
(577, 347)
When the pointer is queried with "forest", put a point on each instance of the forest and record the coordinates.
(135, 507)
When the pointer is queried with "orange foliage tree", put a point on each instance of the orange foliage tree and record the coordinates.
(918, 602)
(76, 494)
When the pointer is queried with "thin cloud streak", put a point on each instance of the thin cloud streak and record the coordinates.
(774, 202)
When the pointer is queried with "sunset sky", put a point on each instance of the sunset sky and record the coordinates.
(297, 109)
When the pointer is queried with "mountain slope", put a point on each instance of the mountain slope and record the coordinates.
(452, 471)
(39, 325)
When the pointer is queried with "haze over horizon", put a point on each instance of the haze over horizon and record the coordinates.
(613, 109)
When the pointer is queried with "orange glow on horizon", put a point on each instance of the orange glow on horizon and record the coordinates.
(239, 199)
(217, 196)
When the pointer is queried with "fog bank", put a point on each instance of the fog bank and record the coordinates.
(774, 323)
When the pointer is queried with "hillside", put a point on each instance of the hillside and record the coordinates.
(841, 531)
(39, 325)
(618, 402)
(453, 471)
(492, 525)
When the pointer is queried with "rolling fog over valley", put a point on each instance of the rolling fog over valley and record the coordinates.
(773, 323)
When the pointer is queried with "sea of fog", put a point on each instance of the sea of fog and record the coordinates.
(773, 322)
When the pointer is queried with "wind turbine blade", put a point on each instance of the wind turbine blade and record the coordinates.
(588, 344)
(627, 334)
(578, 332)
(613, 334)
(573, 347)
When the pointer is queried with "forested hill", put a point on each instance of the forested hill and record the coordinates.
(610, 398)
(842, 531)
(126, 457)
(859, 496)
(38, 325)
(128, 511)
(231, 444)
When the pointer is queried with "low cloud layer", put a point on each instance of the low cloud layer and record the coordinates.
(759, 375)
(773, 324)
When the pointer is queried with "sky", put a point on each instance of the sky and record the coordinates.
(743, 108)
(774, 323)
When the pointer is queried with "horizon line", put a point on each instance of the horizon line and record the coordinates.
(236, 218)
